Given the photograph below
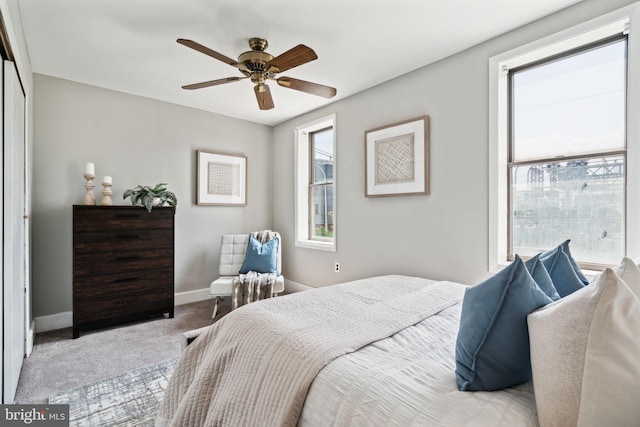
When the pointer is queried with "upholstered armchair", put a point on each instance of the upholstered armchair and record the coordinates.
(232, 256)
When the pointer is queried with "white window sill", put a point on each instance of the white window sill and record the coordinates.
(314, 244)
(588, 274)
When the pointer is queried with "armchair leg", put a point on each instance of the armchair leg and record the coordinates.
(215, 307)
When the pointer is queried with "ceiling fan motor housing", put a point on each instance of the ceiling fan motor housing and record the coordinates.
(256, 60)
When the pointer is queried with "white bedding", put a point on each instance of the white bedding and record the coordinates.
(408, 380)
(255, 366)
(340, 355)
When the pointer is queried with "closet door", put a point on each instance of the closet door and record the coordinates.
(4, 309)
(14, 277)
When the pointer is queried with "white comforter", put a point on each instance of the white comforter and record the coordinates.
(408, 380)
(256, 365)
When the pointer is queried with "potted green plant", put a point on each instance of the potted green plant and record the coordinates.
(148, 197)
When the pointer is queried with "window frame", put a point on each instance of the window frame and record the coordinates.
(304, 165)
(313, 185)
(511, 163)
(610, 24)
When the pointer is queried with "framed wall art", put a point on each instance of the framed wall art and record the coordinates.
(221, 179)
(397, 159)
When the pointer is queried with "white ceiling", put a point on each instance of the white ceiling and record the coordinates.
(130, 45)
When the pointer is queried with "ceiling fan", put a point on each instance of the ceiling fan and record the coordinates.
(260, 66)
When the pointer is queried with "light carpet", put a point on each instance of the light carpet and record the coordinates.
(129, 399)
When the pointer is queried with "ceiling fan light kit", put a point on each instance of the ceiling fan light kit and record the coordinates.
(260, 66)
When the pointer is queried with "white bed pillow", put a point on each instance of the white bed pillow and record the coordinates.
(558, 341)
(611, 381)
(629, 272)
(584, 353)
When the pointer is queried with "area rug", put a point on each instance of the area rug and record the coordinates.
(129, 399)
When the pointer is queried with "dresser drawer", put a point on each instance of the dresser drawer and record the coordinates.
(105, 285)
(121, 218)
(91, 264)
(98, 309)
(121, 241)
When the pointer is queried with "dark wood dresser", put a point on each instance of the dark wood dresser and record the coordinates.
(123, 264)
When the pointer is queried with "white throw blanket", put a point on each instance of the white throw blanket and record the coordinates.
(255, 365)
(254, 286)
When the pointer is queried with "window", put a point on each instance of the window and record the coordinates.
(321, 185)
(567, 153)
(315, 185)
(564, 159)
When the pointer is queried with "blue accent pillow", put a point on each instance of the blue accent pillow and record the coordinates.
(492, 348)
(540, 274)
(562, 272)
(565, 248)
(261, 258)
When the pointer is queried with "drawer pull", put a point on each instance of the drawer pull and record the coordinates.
(126, 279)
(127, 236)
(128, 258)
(131, 215)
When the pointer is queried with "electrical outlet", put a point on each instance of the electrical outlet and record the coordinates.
(337, 267)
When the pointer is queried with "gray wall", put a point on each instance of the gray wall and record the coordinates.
(137, 141)
(440, 236)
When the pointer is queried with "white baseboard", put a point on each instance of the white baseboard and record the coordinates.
(65, 320)
(188, 297)
(31, 336)
(54, 321)
(292, 286)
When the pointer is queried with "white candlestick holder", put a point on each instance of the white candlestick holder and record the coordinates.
(106, 200)
(89, 198)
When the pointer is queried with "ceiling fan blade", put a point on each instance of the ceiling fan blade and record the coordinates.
(303, 86)
(295, 56)
(212, 53)
(213, 83)
(263, 95)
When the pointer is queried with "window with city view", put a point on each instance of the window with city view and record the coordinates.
(321, 185)
(315, 186)
(567, 153)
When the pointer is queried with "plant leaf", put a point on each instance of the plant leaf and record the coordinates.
(148, 203)
(171, 198)
(159, 188)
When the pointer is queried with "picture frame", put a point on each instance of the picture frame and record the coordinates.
(397, 159)
(221, 179)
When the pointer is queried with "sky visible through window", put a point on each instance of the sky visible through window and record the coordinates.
(322, 152)
(571, 106)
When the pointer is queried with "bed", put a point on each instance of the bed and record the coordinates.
(372, 352)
